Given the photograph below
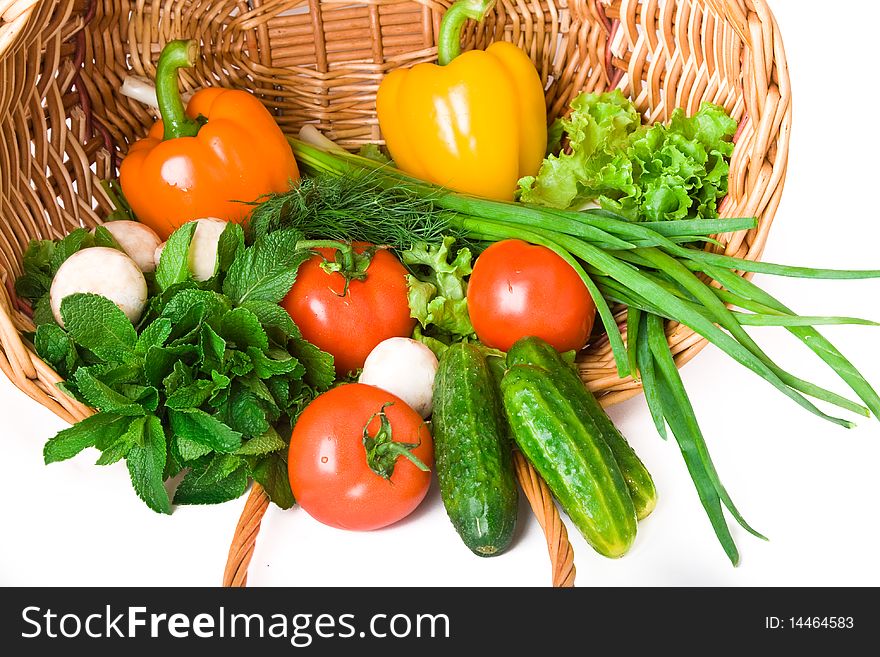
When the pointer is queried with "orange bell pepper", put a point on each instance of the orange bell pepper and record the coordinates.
(202, 162)
(476, 123)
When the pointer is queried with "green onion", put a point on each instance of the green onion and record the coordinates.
(679, 414)
(642, 265)
(649, 377)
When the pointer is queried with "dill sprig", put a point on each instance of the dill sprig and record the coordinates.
(354, 207)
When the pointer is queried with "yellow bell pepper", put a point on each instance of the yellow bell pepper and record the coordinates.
(476, 123)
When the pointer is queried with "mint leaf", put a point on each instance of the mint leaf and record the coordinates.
(36, 278)
(114, 450)
(190, 450)
(55, 347)
(267, 270)
(280, 389)
(146, 465)
(275, 320)
(270, 472)
(244, 413)
(223, 479)
(181, 375)
(115, 373)
(160, 361)
(258, 387)
(196, 393)
(238, 363)
(43, 311)
(104, 237)
(243, 328)
(154, 335)
(229, 246)
(213, 349)
(102, 396)
(85, 433)
(187, 327)
(274, 363)
(265, 443)
(147, 397)
(198, 426)
(75, 240)
(95, 323)
(180, 305)
(174, 263)
(320, 371)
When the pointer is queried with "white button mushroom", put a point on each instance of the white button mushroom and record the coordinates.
(202, 249)
(405, 368)
(104, 271)
(137, 240)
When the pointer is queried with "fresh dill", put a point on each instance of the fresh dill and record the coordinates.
(355, 207)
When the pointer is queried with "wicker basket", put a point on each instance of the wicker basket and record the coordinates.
(64, 126)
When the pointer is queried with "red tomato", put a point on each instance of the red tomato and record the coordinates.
(518, 289)
(327, 463)
(349, 326)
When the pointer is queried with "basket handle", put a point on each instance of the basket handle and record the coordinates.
(245, 538)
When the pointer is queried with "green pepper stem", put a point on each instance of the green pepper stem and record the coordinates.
(175, 55)
(449, 39)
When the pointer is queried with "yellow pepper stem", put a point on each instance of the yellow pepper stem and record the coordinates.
(449, 39)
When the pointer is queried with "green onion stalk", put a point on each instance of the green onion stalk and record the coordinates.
(653, 269)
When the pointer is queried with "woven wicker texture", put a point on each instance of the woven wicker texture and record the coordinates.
(64, 126)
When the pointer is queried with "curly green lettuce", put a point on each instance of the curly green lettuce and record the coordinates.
(662, 172)
(438, 292)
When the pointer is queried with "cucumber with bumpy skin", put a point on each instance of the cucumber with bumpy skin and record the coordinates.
(472, 451)
(534, 351)
(568, 451)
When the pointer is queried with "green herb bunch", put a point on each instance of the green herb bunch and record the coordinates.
(42, 260)
(203, 386)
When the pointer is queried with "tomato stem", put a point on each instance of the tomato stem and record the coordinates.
(383, 451)
(352, 266)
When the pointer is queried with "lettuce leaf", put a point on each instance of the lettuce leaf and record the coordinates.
(645, 173)
(438, 291)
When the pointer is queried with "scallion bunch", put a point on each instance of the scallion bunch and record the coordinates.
(653, 268)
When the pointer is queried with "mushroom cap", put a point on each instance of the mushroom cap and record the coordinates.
(104, 271)
(203, 248)
(137, 240)
(406, 368)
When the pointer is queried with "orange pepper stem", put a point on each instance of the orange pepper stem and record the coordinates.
(449, 39)
(175, 55)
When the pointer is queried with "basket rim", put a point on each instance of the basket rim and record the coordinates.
(27, 371)
(764, 127)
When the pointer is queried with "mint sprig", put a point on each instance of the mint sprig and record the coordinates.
(200, 386)
(41, 261)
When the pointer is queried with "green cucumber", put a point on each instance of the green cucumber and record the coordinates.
(472, 451)
(569, 452)
(534, 351)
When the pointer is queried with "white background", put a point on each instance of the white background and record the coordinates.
(808, 485)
